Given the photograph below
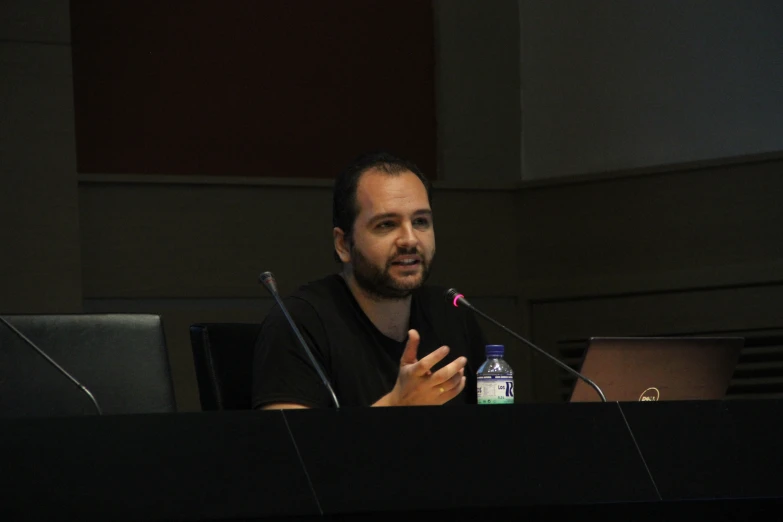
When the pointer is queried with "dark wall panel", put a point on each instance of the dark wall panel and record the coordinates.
(250, 87)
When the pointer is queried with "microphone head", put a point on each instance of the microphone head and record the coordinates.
(453, 296)
(268, 280)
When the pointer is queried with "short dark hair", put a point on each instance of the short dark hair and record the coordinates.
(344, 206)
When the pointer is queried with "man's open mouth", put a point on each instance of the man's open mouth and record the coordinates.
(407, 262)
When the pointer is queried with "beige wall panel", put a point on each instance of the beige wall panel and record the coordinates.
(40, 269)
(213, 241)
(713, 226)
(45, 21)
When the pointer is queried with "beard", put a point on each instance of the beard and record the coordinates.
(379, 283)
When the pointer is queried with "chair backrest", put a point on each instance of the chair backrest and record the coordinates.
(223, 356)
(121, 358)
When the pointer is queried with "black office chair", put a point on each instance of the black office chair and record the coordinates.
(223, 355)
(121, 358)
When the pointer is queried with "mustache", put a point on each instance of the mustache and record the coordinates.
(408, 252)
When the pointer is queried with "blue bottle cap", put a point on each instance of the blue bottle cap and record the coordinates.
(495, 350)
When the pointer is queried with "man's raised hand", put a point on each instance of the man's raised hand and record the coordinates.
(417, 385)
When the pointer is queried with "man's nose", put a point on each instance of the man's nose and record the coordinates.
(407, 237)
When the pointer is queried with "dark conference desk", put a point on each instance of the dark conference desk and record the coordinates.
(621, 461)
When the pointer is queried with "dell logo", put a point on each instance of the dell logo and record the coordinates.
(651, 394)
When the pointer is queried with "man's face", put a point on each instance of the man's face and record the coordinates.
(393, 239)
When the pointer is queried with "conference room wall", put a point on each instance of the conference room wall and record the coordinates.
(683, 231)
(193, 253)
(40, 268)
(42, 275)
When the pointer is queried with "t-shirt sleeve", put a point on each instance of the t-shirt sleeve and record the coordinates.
(282, 371)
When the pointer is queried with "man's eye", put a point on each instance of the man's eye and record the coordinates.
(385, 224)
(421, 222)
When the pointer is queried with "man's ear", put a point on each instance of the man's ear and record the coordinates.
(341, 245)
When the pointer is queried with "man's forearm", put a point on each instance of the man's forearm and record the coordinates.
(284, 406)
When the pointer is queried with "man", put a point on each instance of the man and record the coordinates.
(380, 336)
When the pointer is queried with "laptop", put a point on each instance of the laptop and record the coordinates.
(658, 368)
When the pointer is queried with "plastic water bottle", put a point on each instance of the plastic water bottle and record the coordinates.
(495, 378)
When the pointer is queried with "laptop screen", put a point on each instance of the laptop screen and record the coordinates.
(658, 368)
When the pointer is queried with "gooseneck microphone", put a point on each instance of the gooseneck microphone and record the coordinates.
(268, 280)
(454, 297)
(51, 361)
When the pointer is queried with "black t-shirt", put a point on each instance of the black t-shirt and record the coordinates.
(360, 362)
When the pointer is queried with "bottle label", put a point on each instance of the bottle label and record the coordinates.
(495, 389)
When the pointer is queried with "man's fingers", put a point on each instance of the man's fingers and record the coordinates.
(431, 360)
(448, 371)
(447, 395)
(409, 355)
(451, 383)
